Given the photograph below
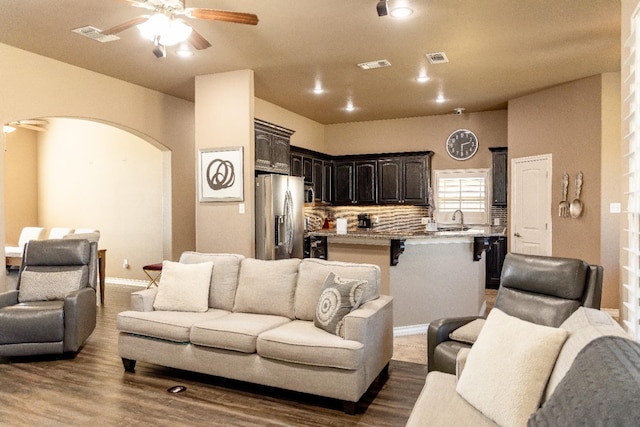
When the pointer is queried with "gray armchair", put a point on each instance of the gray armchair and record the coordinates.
(53, 309)
(538, 289)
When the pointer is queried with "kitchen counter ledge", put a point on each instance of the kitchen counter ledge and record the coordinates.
(373, 235)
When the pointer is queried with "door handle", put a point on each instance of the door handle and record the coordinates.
(516, 234)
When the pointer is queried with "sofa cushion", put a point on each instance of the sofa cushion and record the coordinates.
(267, 287)
(338, 298)
(301, 342)
(224, 278)
(508, 367)
(312, 274)
(167, 325)
(184, 287)
(237, 331)
(46, 286)
(584, 325)
(602, 388)
(469, 332)
(440, 405)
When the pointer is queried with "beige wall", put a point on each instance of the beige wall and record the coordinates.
(308, 133)
(33, 86)
(610, 188)
(419, 134)
(21, 183)
(224, 118)
(567, 121)
(91, 175)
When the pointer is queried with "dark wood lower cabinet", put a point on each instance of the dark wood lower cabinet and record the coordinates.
(495, 253)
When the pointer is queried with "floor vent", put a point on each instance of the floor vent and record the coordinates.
(95, 34)
(437, 58)
(381, 63)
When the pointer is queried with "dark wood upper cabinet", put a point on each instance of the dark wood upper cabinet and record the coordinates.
(272, 147)
(296, 165)
(499, 175)
(355, 182)
(403, 180)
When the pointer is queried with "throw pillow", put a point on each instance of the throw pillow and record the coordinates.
(184, 287)
(46, 286)
(338, 298)
(508, 367)
(468, 333)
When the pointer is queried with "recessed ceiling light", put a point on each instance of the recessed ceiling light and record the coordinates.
(440, 99)
(422, 79)
(401, 12)
(318, 88)
(349, 106)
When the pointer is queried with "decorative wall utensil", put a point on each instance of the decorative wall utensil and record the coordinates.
(575, 208)
(563, 209)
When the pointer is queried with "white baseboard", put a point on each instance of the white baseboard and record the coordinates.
(127, 282)
(410, 330)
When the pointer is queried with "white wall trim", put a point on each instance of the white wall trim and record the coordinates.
(126, 282)
(410, 330)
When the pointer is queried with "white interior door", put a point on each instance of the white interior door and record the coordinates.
(531, 205)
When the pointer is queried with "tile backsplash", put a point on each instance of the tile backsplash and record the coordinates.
(383, 218)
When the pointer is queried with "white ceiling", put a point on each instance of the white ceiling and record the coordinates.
(497, 50)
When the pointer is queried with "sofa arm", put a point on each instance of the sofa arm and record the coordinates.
(143, 300)
(439, 331)
(372, 325)
(8, 298)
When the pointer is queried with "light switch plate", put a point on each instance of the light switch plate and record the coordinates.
(614, 208)
(241, 208)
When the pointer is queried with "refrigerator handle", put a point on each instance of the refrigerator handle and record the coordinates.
(279, 220)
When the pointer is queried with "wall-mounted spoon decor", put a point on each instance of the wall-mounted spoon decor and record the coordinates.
(575, 208)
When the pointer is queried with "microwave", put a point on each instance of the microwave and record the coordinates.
(309, 194)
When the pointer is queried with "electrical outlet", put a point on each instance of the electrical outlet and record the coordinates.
(424, 220)
(125, 263)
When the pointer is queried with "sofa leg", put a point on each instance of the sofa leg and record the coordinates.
(129, 365)
(349, 408)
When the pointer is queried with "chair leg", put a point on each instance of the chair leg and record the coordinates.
(129, 365)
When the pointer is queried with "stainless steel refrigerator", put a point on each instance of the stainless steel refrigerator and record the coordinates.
(279, 216)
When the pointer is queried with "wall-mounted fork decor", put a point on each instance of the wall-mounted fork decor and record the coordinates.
(573, 209)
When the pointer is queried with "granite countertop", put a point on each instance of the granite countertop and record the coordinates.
(472, 231)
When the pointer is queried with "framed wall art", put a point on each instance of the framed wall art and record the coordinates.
(220, 175)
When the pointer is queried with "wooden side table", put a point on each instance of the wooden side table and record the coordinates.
(153, 272)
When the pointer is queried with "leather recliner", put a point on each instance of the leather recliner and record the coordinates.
(539, 289)
(39, 322)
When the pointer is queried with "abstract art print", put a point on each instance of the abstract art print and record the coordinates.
(220, 174)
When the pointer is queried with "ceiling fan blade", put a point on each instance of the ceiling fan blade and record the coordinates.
(25, 125)
(39, 122)
(197, 41)
(125, 25)
(221, 15)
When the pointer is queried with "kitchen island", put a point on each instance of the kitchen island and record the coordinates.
(436, 274)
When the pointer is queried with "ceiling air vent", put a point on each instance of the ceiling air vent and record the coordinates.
(95, 34)
(437, 58)
(381, 63)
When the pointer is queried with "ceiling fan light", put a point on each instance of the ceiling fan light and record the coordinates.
(156, 25)
(176, 32)
(184, 51)
(7, 129)
(169, 31)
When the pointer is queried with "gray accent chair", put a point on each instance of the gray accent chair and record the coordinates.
(538, 289)
(51, 326)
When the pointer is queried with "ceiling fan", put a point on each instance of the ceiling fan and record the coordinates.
(33, 124)
(165, 28)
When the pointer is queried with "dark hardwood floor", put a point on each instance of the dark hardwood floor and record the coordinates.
(92, 389)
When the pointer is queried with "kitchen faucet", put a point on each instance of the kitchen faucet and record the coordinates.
(453, 218)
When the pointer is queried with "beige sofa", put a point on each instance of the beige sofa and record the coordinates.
(571, 394)
(259, 327)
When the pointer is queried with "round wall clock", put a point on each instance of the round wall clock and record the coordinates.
(462, 144)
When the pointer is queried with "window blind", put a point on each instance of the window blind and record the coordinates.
(465, 190)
